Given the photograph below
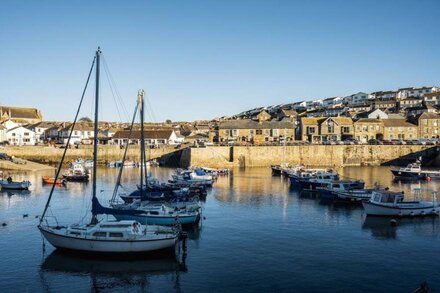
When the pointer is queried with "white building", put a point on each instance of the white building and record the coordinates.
(40, 130)
(3, 131)
(82, 130)
(20, 136)
(9, 124)
(152, 137)
(333, 101)
(357, 99)
(412, 92)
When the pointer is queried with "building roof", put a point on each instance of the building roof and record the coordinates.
(251, 124)
(148, 134)
(341, 120)
(397, 123)
(79, 126)
(289, 112)
(428, 115)
(20, 112)
(312, 120)
(369, 120)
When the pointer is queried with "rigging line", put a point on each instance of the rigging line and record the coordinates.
(124, 109)
(150, 109)
(118, 181)
(68, 142)
(112, 90)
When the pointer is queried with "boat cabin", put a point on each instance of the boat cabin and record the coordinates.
(387, 197)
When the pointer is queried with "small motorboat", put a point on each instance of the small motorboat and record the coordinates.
(414, 171)
(276, 170)
(88, 164)
(7, 184)
(391, 204)
(345, 190)
(51, 180)
(320, 179)
(76, 173)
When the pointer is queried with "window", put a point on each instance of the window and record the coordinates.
(99, 234)
(310, 130)
(115, 234)
(26, 140)
(13, 134)
(234, 132)
(274, 132)
(259, 131)
(227, 132)
(345, 129)
(26, 134)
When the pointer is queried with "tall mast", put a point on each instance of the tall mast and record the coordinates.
(95, 132)
(141, 102)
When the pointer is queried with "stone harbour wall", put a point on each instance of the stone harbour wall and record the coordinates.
(313, 155)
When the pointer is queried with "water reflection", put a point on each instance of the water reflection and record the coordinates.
(382, 228)
(105, 274)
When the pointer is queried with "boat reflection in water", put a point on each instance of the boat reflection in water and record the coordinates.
(386, 228)
(15, 192)
(108, 274)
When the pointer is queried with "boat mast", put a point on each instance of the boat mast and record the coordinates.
(141, 102)
(95, 132)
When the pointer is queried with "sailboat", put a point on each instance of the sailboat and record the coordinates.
(150, 211)
(105, 236)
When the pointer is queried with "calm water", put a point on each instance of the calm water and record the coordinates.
(257, 236)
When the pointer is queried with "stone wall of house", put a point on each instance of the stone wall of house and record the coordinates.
(106, 153)
(314, 155)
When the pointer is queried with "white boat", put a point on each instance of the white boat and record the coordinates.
(88, 164)
(345, 190)
(112, 237)
(392, 204)
(6, 184)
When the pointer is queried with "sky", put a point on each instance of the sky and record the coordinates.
(206, 59)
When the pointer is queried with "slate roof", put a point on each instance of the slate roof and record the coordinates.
(148, 134)
(251, 124)
(397, 123)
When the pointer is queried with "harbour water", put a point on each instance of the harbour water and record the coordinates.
(257, 235)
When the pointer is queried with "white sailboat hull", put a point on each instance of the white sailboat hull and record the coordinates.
(406, 210)
(84, 244)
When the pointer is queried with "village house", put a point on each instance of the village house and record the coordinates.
(336, 128)
(254, 132)
(20, 136)
(359, 108)
(399, 129)
(385, 95)
(428, 125)
(414, 111)
(335, 111)
(356, 99)
(384, 104)
(410, 102)
(154, 138)
(263, 116)
(412, 92)
(20, 115)
(368, 128)
(40, 129)
(432, 98)
(333, 101)
(83, 131)
(310, 129)
(372, 114)
(9, 124)
(287, 115)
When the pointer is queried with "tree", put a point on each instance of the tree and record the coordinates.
(168, 121)
(85, 119)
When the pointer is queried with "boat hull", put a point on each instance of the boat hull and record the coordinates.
(14, 185)
(76, 178)
(84, 245)
(408, 175)
(372, 209)
(160, 220)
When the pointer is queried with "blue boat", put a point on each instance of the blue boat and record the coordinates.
(351, 191)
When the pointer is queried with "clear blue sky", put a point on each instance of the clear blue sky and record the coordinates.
(204, 59)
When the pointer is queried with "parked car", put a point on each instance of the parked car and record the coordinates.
(374, 141)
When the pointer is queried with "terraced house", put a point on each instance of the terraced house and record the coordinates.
(428, 125)
(399, 129)
(368, 128)
(254, 132)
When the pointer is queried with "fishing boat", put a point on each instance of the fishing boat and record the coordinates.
(414, 171)
(76, 173)
(215, 172)
(318, 179)
(345, 190)
(51, 180)
(392, 204)
(104, 236)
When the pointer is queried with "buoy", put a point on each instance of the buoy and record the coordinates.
(393, 222)
(4, 224)
(428, 178)
(25, 215)
(204, 218)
